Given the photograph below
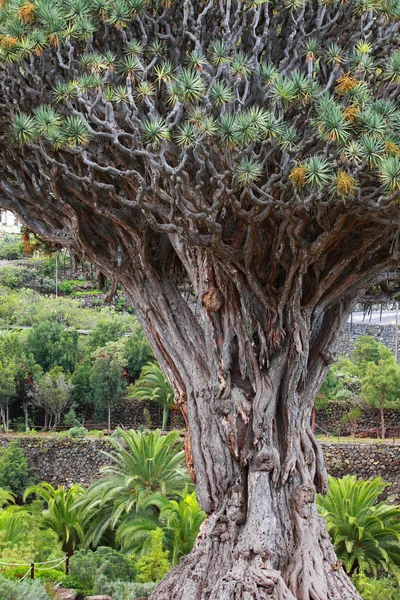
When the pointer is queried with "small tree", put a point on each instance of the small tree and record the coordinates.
(61, 514)
(368, 350)
(381, 387)
(52, 393)
(8, 387)
(324, 395)
(82, 393)
(153, 385)
(107, 382)
(352, 417)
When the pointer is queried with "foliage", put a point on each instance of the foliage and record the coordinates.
(78, 432)
(384, 588)
(365, 531)
(25, 590)
(51, 345)
(154, 565)
(61, 514)
(153, 385)
(179, 520)
(107, 382)
(122, 590)
(24, 538)
(137, 351)
(11, 277)
(87, 566)
(106, 330)
(52, 393)
(326, 391)
(368, 350)
(352, 417)
(14, 474)
(82, 395)
(26, 307)
(11, 248)
(344, 379)
(142, 465)
(8, 386)
(380, 386)
(70, 419)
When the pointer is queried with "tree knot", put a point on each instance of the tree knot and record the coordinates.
(212, 300)
(304, 498)
(264, 460)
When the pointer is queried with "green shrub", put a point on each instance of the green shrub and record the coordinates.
(365, 531)
(87, 566)
(52, 575)
(11, 277)
(122, 590)
(97, 433)
(11, 248)
(14, 473)
(66, 287)
(22, 590)
(153, 566)
(78, 432)
(71, 420)
(385, 588)
(67, 581)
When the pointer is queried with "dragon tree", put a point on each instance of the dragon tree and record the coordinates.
(247, 154)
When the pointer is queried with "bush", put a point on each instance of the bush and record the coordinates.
(97, 433)
(122, 590)
(153, 566)
(67, 581)
(11, 277)
(22, 590)
(50, 575)
(87, 566)
(78, 432)
(385, 588)
(11, 248)
(71, 420)
(66, 287)
(14, 474)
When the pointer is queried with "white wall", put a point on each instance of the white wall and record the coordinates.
(9, 222)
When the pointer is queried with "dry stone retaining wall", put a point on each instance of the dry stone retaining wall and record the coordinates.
(330, 420)
(66, 460)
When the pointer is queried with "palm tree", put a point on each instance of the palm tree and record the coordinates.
(179, 519)
(12, 525)
(61, 514)
(6, 497)
(153, 385)
(142, 465)
(365, 532)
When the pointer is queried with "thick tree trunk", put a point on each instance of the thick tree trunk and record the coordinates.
(263, 538)
(382, 410)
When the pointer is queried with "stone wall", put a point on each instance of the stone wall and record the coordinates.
(66, 460)
(131, 412)
(330, 419)
(365, 460)
(382, 333)
(63, 460)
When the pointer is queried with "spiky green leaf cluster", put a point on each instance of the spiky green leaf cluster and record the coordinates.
(342, 95)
